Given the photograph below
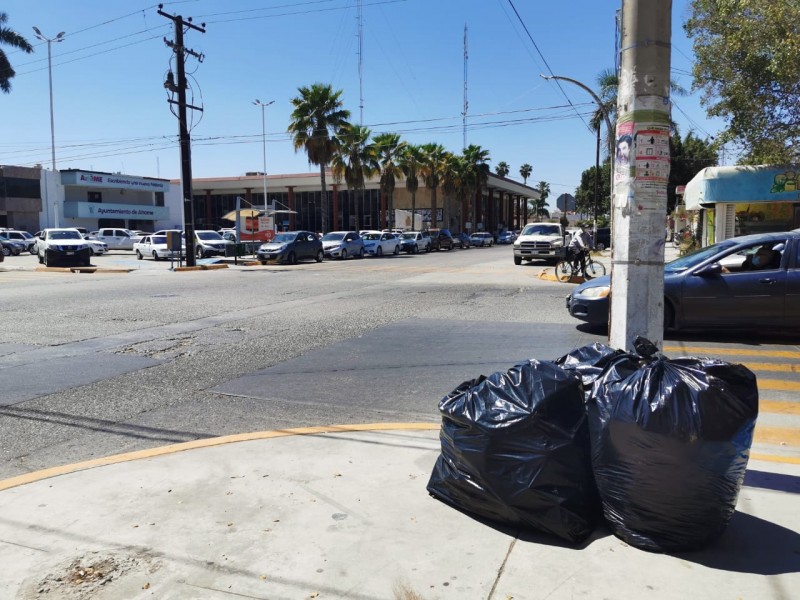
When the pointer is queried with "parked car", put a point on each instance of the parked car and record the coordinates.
(116, 238)
(22, 237)
(96, 245)
(506, 237)
(290, 247)
(341, 244)
(156, 246)
(11, 247)
(603, 240)
(378, 243)
(481, 238)
(718, 286)
(414, 242)
(441, 239)
(461, 240)
(208, 242)
(63, 246)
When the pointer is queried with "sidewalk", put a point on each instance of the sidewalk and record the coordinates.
(344, 513)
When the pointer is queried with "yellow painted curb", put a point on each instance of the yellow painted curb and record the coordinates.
(206, 443)
(202, 268)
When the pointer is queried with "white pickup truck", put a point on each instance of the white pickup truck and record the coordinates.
(542, 241)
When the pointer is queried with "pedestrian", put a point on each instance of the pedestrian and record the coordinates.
(579, 245)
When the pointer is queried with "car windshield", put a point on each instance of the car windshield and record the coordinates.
(65, 235)
(409, 236)
(695, 258)
(372, 236)
(541, 229)
(26, 235)
(284, 238)
(209, 235)
(333, 237)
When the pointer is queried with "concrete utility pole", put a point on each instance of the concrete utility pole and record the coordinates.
(185, 141)
(641, 173)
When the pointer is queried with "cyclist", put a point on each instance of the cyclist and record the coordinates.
(579, 246)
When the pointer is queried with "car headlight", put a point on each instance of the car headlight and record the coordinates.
(517, 244)
(558, 243)
(600, 291)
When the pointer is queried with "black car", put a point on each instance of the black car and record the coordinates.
(461, 240)
(603, 240)
(726, 285)
(290, 247)
(441, 239)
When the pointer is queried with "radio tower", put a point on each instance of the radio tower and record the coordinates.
(360, 62)
(466, 103)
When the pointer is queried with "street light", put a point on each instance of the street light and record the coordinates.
(58, 38)
(597, 158)
(263, 105)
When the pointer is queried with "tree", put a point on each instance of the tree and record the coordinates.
(353, 162)
(410, 162)
(317, 117)
(477, 175)
(453, 183)
(388, 153)
(525, 172)
(502, 169)
(584, 194)
(9, 37)
(748, 66)
(432, 169)
(538, 206)
(689, 156)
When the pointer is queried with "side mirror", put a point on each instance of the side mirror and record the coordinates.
(709, 270)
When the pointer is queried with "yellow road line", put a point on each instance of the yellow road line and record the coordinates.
(780, 408)
(733, 352)
(782, 436)
(781, 367)
(792, 460)
(780, 385)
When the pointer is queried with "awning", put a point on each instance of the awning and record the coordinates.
(732, 185)
(244, 213)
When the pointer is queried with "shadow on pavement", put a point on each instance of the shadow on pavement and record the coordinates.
(751, 545)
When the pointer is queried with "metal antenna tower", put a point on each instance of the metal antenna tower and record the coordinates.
(466, 102)
(360, 62)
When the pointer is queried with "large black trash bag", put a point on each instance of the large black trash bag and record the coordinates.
(515, 449)
(670, 444)
(589, 362)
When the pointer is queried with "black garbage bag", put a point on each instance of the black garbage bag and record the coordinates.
(589, 362)
(515, 449)
(670, 443)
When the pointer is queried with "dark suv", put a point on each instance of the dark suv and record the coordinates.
(441, 239)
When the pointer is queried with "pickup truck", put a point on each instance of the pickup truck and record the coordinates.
(543, 241)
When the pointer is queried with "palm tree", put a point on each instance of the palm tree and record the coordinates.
(9, 37)
(502, 169)
(539, 206)
(411, 162)
(525, 172)
(455, 167)
(477, 159)
(432, 169)
(388, 152)
(352, 161)
(317, 116)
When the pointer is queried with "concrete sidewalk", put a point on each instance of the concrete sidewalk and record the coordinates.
(344, 513)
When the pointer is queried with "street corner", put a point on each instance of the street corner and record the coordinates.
(213, 267)
(550, 275)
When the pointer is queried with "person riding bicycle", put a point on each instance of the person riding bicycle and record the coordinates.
(579, 246)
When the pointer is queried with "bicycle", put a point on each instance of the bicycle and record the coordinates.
(567, 269)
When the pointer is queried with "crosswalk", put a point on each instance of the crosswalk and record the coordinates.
(777, 369)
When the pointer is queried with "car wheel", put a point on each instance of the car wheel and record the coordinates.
(6, 251)
(361, 253)
(320, 256)
(415, 250)
(427, 248)
(263, 263)
(91, 251)
(344, 255)
(669, 316)
(46, 260)
(379, 251)
(39, 256)
(199, 252)
(139, 255)
(601, 246)
(155, 256)
(292, 258)
(517, 260)
(397, 250)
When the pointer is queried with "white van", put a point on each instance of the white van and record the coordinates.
(116, 238)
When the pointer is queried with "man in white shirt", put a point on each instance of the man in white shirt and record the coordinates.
(579, 245)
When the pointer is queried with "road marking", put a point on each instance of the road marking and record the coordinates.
(780, 436)
(733, 352)
(780, 408)
(782, 367)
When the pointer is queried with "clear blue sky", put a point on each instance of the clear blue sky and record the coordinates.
(111, 111)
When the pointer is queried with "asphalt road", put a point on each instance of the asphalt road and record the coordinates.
(109, 362)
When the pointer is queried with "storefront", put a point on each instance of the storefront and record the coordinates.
(746, 199)
(93, 200)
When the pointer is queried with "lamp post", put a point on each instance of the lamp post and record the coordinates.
(597, 158)
(58, 38)
(264, 105)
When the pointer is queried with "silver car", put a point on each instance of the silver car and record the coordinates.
(341, 244)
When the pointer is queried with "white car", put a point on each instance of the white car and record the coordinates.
(155, 246)
(97, 246)
(63, 246)
(378, 243)
(116, 238)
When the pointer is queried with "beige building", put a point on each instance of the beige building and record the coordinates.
(499, 205)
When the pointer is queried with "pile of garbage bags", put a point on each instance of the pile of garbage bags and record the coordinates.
(655, 447)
